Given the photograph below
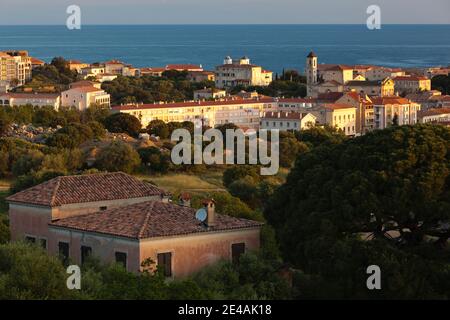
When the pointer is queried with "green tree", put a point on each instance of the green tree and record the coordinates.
(123, 123)
(27, 272)
(158, 128)
(118, 156)
(391, 185)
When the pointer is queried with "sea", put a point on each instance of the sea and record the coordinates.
(275, 47)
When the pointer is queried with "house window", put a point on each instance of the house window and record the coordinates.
(30, 239)
(165, 263)
(237, 250)
(43, 243)
(103, 208)
(121, 258)
(63, 249)
(85, 253)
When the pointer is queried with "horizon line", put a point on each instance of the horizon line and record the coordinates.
(225, 24)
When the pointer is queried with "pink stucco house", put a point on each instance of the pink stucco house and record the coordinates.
(117, 217)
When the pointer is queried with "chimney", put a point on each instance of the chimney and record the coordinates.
(210, 207)
(184, 199)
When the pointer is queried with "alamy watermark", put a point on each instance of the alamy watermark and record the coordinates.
(73, 21)
(74, 280)
(234, 151)
(374, 20)
(374, 280)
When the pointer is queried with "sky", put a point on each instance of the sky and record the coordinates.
(50, 12)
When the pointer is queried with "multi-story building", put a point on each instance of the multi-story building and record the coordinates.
(382, 88)
(117, 218)
(76, 65)
(209, 93)
(435, 116)
(15, 67)
(152, 72)
(411, 84)
(242, 112)
(394, 110)
(341, 116)
(83, 96)
(427, 99)
(364, 110)
(285, 121)
(34, 99)
(241, 72)
(381, 73)
(201, 76)
(36, 63)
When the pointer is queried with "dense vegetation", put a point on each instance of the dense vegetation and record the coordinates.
(441, 83)
(392, 186)
(27, 272)
(172, 86)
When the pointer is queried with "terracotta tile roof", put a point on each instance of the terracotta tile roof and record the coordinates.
(184, 67)
(336, 106)
(410, 78)
(434, 112)
(30, 95)
(389, 100)
(86, 88)
(37, 61)
(191, 104)
(297, 100)
(85, 188)
(148, 220)
(329, 96)
(366, 83)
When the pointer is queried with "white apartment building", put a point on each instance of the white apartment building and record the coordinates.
(437, 116)
(241, 72)
(84, 96)
(34, 99)
(285, 121)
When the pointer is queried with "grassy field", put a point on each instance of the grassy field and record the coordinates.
(4, 184)
(195, 184)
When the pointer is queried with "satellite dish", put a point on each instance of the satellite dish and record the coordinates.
(201, 215)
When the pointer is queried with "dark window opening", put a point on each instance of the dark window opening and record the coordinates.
(43, 243)
(237, 250)
(121, 258)
(85, 253)
(165, 263)
(30, 239)
(103, 208)
(63, 249)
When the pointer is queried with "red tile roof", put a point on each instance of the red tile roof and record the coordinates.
(336, 106)
(434, 112)
(184, 67)
(85, 188)
(148, 220)
(30, 95)
(410, 78)
(37, 61)
(329, 96)
(191, 104)
(389, 100)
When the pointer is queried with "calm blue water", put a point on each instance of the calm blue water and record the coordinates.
(274, 47)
